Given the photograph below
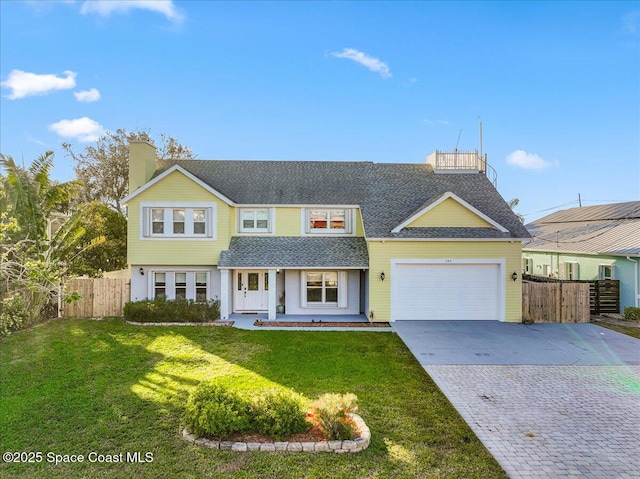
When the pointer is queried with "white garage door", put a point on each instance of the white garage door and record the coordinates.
(445, 291)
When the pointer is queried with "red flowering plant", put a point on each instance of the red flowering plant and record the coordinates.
(330, 414)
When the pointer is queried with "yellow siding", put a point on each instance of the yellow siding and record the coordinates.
(381, 254)
(176, 188)
(449, 213)
(288, 221)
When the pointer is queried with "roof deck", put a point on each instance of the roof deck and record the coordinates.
(461, 162)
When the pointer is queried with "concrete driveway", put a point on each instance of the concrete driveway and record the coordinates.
(547, 400)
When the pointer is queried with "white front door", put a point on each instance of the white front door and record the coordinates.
(251, 291)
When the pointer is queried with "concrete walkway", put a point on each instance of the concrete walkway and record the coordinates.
(246, 321)
(547, 400)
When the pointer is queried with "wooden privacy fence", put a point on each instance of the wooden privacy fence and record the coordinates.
(100, 297)
(556, 302)
(604, 294)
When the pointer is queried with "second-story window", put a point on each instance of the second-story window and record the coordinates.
(328, 221)
(178, 222)
(254, 220)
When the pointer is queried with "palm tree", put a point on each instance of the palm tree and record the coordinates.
(512, 204)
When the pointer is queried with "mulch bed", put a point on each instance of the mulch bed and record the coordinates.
(320, 324)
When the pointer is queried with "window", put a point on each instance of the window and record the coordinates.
(178, 222)
(322, 288)
(254, 221)
(157, 221)
(201, 287)
(181, 286)
(571, 271)
(527, 265)
(160, 285)
(199, 221)
(606, 271)
(328, 221)
(546, 270)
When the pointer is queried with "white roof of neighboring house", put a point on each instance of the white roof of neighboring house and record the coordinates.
(612, 229)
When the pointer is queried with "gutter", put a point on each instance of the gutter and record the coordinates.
(635, 276)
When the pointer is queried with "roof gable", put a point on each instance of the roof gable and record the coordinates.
(168, 172)
(448, 211)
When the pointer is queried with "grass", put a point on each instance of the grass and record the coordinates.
(632, 331)
(80, 386)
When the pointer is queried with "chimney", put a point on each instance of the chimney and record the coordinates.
(142, 163)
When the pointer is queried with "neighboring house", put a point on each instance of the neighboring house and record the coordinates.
(391, 241)
(588, 243)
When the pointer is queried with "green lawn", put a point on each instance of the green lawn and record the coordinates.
(80, 386)
(633, 331)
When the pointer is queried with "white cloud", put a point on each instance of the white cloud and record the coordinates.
(83, 129)
(87, 96)
(365, 60)
(24, 84)
(105, 8)
(528, 161)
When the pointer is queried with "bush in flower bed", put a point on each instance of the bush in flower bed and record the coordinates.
(179, 311)
(279, 413)
(330, 412)
(217, 411)
(632, 313)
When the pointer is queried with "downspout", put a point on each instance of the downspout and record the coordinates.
(635, 282)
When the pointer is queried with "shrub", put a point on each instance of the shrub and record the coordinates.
(161, 311)
(13, 314)
(216, 411)
(632, 313)
(331, 411)
(279, 413)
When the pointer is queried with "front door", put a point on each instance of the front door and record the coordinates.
(251, 291)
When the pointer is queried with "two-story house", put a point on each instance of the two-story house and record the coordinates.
(389, 241)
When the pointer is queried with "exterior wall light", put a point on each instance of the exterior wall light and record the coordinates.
(141, 270)
(382, 276)
(514, 276)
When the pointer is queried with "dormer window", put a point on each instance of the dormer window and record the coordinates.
(255, 220)
(328, 221)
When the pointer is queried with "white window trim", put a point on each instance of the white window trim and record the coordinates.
(271, 218)
(343, 287)
(567, 274)
(146, 228)
(527, 261)
(349, 220)
(170, 282)
(604, 265)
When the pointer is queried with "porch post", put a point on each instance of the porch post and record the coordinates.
(225, 304)
(272, 293)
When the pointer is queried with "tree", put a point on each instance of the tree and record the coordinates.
(110, 226)
(32, 264)
(103, 169)
(512, 204)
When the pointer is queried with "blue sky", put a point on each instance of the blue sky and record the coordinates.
(556, 85)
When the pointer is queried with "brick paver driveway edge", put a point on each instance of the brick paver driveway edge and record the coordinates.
(551, 421)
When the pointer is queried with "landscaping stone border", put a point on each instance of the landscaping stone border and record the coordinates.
(208, 323)
(339, 447)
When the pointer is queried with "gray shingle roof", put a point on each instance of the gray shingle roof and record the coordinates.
(387, 193)
(295, 252)
(612, 229)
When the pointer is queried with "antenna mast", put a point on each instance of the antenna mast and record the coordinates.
(480, 139)
(457, 142)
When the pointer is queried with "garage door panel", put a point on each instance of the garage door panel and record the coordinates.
(445, 291)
